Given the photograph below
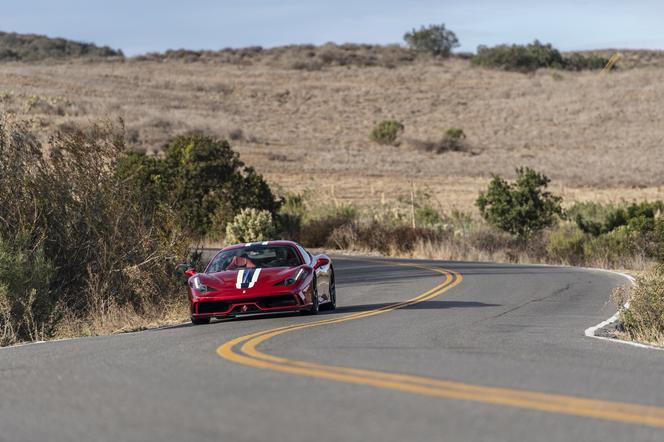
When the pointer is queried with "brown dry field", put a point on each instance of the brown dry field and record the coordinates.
(598, 138)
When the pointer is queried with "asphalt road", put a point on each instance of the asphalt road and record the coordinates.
(497, 353)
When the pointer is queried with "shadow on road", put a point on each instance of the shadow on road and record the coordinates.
(357, 308)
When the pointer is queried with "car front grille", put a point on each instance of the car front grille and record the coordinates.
(212, 307)
(207, 307)
(278, 301)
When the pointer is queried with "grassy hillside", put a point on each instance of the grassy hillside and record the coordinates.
(597, 137)
(32, 47)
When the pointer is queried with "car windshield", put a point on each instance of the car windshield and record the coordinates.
(255, 256)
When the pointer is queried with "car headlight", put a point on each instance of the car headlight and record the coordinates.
(291, 280)
(197, 284)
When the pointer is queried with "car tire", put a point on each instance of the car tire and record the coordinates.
(200, 321)
(332, 305)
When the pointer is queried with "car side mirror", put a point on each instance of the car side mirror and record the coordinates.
(321, 261)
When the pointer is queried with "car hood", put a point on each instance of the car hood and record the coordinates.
(248, 279)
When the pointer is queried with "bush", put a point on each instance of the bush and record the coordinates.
(388, 240)
(567, 246)
(616, 249)
(291, 215)
(428, 217)
(250, 225)
(316, 232)
(578, 62)
(527, 58)
(520, 208)
(202, 178)
(387, 132)
(598, 219)
(73, 213)
(38, 47)
(644, 319)
(634, 229)
(659, 237)
(433, 39)
(453, 140)
(27, 307)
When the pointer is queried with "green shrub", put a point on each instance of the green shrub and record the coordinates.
(615, 249)
(250, 225)
(33, 47)
(428, 217)
(200, 176)
(591, 217)
(433, 39)
(659, 237)
(291, 215)
(527, 58)
(387, 132)
(578, 62)
(27, 304)
(598, 219)
(567, 246)
(520, 208)
(638, 224)
(644, 319)
(72, 212)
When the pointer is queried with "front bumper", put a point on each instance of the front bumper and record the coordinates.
(210, 306)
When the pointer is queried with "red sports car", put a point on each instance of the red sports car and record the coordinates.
(261, 277)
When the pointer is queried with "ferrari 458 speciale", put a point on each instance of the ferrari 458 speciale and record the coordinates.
(261, 277)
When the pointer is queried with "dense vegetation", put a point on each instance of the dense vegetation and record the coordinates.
(301, 57)
(90, 233)
(644, 319)
(202, 179)
(527, 58)
(432, 40)
(32, 47)
(75, 240)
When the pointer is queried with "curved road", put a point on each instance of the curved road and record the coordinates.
(416, 351)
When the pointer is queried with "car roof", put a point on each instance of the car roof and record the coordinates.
(280, 242)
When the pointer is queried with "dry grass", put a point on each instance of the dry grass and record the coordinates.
(644, 319)
(114, 319)
(597, 138)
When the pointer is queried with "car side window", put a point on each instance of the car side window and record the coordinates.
(305, 255)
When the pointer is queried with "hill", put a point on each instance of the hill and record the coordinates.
(597, 136)
(32, 47)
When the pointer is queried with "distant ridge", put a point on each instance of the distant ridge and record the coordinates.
(33, 47)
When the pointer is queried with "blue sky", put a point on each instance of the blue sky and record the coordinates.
(138, 26)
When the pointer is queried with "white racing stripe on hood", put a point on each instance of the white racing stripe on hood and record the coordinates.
(254, 278)
(238, 281)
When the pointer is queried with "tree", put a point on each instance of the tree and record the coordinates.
(520, 208)
(200, 177)
(433, 39)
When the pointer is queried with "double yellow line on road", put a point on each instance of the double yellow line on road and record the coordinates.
(244, 350)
